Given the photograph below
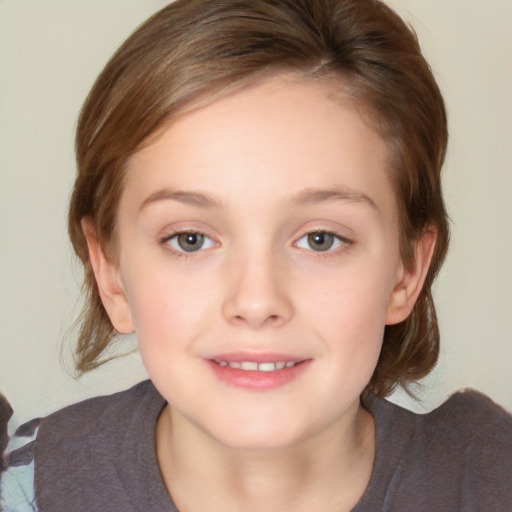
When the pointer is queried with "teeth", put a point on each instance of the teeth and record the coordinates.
(267, 367)
(248, 366)
(253, 366)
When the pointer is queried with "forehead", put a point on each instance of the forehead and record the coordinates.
(275, 138)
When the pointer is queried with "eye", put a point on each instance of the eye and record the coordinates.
(189, 242)
(321, 241)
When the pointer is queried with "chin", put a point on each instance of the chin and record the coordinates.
(263, 435)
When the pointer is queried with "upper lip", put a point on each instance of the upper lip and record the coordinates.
(257, 357)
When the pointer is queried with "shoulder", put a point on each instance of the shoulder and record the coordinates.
(466, 416)
(101, 406)
(95, 414)
(457, 454)
(60, 456)
(476, 431)
(473, 418)
(466, 445)
(472, 405)
(93, 422)
(83, 446)
(475, 436)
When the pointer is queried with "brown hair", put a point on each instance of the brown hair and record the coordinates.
(197, 48)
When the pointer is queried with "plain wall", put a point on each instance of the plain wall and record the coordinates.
(50, 53)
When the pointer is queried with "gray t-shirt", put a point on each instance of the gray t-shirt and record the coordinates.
(99, 455)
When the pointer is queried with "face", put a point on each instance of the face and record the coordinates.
(259, 263)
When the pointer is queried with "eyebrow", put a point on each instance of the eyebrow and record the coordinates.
(305, 197)
(192, 198)
(315, 196)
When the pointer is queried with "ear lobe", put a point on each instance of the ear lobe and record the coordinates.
(410, 281)
(109, 282)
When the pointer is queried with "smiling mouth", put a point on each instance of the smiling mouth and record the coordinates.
(257, 367)
(258, 372)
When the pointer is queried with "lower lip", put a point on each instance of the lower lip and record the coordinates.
(258, 380)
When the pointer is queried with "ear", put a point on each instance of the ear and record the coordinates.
(409, 281)
(109, 282)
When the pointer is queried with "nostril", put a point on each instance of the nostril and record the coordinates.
(254, 308)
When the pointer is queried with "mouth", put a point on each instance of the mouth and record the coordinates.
(258, 372)
(253, 366)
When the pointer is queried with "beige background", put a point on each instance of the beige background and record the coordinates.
(50, 53)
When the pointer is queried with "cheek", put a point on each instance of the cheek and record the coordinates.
(167, 321)
(355, 298)
(348, 312)
(165, 308)
(356, 325)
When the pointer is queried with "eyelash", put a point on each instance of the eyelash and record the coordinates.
(343, 243)
(183, 253)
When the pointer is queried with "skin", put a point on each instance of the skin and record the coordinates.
(256, 172)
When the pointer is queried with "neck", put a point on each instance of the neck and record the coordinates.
(328, 471)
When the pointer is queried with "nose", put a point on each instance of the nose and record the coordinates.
(257, 294)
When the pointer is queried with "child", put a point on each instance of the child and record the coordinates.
(258, 198)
